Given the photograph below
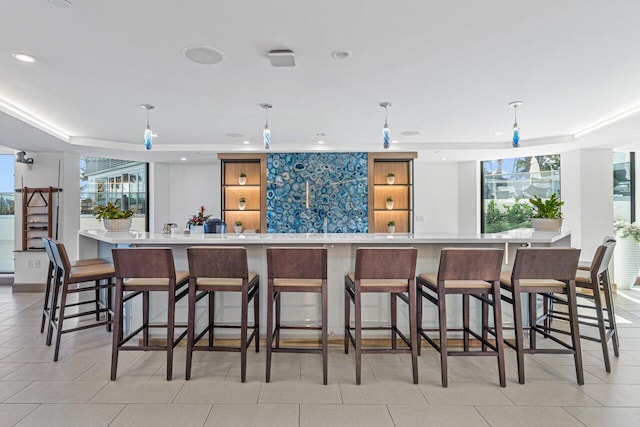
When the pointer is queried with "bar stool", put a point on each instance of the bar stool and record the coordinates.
(469, 272)
(545, 271)
(589, 285)
(65, 276)
(389, 270)
(222, 269)
(295, 270)
(140, 271)
(51, 279)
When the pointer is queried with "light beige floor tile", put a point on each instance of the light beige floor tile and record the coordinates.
(344, 415)
(11, 413)
(465, 395)
(296, 392)
(626, 358)
(49, 371)
(525, 417)
(7, 368)
(138, 392)
(383, 393)
(613, 394)
(261, 415)
(208, 371)
(71, 415)
(549, 394)
(435, 416)
(57, 392)
(135, 371)
(596, 417)
(220, 392)
(618, 374)
(6, 352)
(9, 388)
(162, 415)
(256, 371)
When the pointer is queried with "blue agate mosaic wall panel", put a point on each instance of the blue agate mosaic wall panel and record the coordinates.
(304, 189)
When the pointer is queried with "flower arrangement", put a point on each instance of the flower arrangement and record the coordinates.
(198, 219)
(627, 229)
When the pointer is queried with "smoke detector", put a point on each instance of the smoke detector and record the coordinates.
(282, 58)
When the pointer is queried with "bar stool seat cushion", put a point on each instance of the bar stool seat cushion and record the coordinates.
(432, 279)
(223, 281)
(373, 283)
(310, 283)
(91, 272)
(505, 280)
(85, 262)
(181, 276)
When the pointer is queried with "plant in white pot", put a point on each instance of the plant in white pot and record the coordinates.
(389, 202)
(114, 218)
(238, 226)
(242, 179)
(626, 254)
(242, 203)
(391, 227)
(391, 178)
(547, 215)
(196, 222)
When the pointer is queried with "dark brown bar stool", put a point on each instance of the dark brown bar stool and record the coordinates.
(66, 277)
(589, 285)
(140, 271)
(389, 270)
(222, 269)
(469, 272)
(295, 270)
(543, 271)
(51, 280)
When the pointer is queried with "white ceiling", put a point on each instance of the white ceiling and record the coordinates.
(449, 67)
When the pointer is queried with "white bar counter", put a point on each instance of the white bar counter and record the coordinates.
(341, 260)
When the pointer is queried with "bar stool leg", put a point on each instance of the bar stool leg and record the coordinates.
(347, 319)
(419, 317)
(243, 335)
(465, 320)
(485, 324)
(277, 297)
(325, 335)
(517, 319)
(497, 322)
(63, 302)
(171, 312)
(413, 332)
(256, 317)
(575, 332)
(145, 317)
(442, 315)
(601, 328)
(97, 292)
(358, 334)
(533, 311)
(109, 304)
(47, 291)
(191, 325)
(269, 329)
(212, 316)
(394, 320)
(117, 334)
(611, 313)
(53, 307)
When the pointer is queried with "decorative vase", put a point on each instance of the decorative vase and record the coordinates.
(242, 180)
(389, 205)
(391, 229)
(391, 180)
(117, 224)
(546, 224)
(627, 262)
(242, 205)
(238, 228)
(197, 230)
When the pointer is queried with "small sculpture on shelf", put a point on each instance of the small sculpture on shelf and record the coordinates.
(113, 217)
(242, 179)
(196, 222)
(389, 202)
(391, 227)
(391, 178)
(242, 203)
(237, 226)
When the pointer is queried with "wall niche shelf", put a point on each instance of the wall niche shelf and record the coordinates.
(37, 216)
(401, 191)
(254, 166)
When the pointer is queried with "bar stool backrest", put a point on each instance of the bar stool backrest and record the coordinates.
(149, 263)
(470, 264)
(385, 263)
(47, 248)
(546, 263)
(218, 261)
(60, 255)
(607, 252)
(297, 263)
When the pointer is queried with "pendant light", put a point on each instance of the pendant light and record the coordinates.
(386, 133)
(516, 129)
(148, 134)
(266, 133)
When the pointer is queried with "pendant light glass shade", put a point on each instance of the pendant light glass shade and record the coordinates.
(266, 133)
(148, 134)
(515, 136)
(386, 132)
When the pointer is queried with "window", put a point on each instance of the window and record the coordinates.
(7, 213)
(507, 185)
(120, 182)
(623, 187)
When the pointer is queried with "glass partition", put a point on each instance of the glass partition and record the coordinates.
(7, 213)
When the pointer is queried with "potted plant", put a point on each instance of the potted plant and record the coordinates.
(238, 226)
(114, 218)
(242, 179)
(547, 215)
(196, 222)
(391, 178)
(242, 203)
(626, 253)
(389, 202)
(391, 227)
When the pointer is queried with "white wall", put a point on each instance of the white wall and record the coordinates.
(189, 187)
(159, 196)
(469, 197)
(436, 197)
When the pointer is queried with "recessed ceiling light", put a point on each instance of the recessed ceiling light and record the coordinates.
(246, 142)
(203, 54)
(410, 133)
(235, 135)
(61, 3)
(320, 136)
(23, 57)
(497, 133)
(184, 159)
(341, 54)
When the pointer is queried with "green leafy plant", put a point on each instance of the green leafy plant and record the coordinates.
(111, 211)
(627, 229)
(243, 175)
(391, 224)
(391, 174)
(549, 208)
(238, 223)
(389, 199)
(242, 200)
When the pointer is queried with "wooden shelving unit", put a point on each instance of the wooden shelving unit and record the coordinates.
(401, 191)
(37, 216)
(253, 215)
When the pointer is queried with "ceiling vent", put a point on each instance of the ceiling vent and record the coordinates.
(282, 58)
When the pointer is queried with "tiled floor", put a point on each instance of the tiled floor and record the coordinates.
(34, 391)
